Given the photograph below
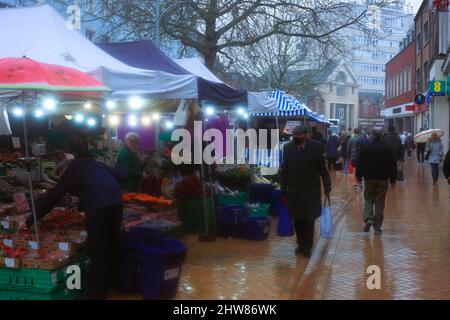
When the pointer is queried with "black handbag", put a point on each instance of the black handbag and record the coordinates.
(427, 156)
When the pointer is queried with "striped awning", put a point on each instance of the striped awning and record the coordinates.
(290, 106)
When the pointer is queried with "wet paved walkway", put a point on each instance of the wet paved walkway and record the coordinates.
(413, 252)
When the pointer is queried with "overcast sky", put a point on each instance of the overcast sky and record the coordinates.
(416, 4)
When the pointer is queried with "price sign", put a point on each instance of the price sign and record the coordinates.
(437, 88)
(21, 201)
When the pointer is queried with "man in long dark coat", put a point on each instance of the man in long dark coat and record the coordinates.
(302, 168)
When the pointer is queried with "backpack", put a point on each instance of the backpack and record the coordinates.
(362, 141)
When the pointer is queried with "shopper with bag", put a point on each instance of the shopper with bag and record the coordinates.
(331, 150)
(377, 166)
(434, 154)
(301, 171)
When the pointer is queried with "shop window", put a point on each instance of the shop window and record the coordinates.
(425, 33)
(90, 34)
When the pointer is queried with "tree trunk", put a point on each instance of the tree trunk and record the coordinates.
(210, 59)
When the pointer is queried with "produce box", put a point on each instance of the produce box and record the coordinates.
(64, 246)
(7, 224)
(8, 210)
(38, 280)
(14, 263)
(43, 259)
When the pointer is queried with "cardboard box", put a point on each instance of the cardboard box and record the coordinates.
(7, 224)
(14, 263)
(45, 264)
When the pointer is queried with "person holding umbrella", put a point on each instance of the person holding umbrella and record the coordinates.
(303, 166)
(434, 152)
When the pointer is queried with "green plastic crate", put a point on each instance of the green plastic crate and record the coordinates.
(61, 294)
(36, 280)
(227, 200)
(262, 211)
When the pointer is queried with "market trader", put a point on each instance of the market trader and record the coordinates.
(130, 161)
(100, 196)
(302, 168)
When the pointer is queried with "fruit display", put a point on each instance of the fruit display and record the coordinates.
(234, 176)
(190, 188)
(9, 157)
(146, 199)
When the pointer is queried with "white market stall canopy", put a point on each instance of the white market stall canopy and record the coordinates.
(40, 33)
(258, 102)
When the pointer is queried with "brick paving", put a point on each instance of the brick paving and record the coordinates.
(413, 252)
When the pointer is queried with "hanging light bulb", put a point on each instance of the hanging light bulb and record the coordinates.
(132, 120)
(91, 122)
(38, 113)
(241, 111)
(169, 124)
(79, 118)
(135, 103)
(146, 121)
(210, 111)
(88, 106)
(69, 117)
(18, 112)
(111, 104)
(114, 120)
(49, 104)
(156, 116)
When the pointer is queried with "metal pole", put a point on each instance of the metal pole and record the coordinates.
(158, 23)
(109, 141)
(30, 182)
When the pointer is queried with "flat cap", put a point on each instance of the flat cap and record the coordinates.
(300, 130)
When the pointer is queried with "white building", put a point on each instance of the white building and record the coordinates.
(370, 53)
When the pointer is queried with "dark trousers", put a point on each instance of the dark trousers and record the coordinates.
(331, 162)
(305, 233)
(357, 173)
(435, 171)
(103, 228)
(374, 201)
(420, 152)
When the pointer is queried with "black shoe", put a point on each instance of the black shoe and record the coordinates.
(307, 253)
(299, 250)
(367, 227)
(377, 230)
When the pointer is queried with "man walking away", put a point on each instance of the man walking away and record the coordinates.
(394, 143)
(377, 165)
(317, 136)
(421, 151)
(409, 145)
(331, 149)
(344, 151)
(353, 154)
(303, 166)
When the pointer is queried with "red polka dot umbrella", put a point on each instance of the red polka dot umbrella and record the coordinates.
(23, 74)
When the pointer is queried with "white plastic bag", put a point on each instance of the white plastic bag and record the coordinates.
(182, 114)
